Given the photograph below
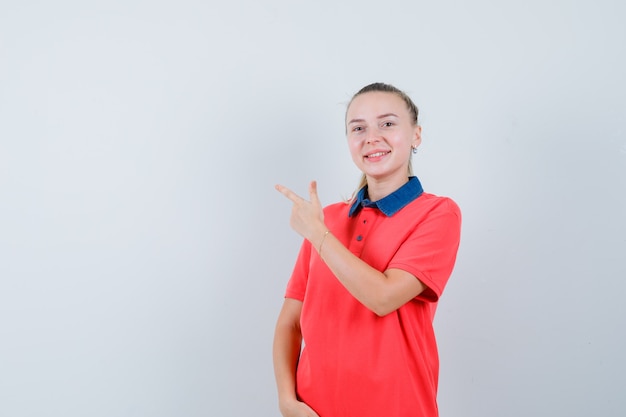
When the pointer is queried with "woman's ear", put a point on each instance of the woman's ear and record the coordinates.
(418, 137)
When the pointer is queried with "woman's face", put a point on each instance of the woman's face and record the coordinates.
(380, 135)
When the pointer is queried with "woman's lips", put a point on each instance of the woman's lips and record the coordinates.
(376, 155)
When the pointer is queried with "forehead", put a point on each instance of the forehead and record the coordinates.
(375, 103)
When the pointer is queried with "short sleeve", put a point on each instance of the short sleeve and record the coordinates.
(429, 253)
(296, 287)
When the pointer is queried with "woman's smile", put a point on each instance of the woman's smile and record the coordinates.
(376, 156)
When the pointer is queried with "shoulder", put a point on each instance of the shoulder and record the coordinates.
(429, 203)
(338, 209)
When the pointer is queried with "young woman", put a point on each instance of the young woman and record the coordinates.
(354, 337)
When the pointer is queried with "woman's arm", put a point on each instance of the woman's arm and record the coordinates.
(380, 292)
(286, 351)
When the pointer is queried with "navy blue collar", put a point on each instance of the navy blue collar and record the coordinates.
(392, 203)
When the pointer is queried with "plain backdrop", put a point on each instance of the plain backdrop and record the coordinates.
(144, 251)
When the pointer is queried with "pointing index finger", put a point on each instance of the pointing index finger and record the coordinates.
(288, 193)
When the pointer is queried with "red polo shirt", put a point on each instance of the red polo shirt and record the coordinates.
(354, 363)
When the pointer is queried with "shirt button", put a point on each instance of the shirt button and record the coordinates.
(364, 221)
(359, 238)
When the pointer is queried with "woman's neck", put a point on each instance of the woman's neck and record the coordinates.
(378, 189)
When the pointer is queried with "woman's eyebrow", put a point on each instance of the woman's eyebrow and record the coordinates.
(382, 116)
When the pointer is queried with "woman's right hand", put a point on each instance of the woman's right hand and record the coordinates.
(295, 408)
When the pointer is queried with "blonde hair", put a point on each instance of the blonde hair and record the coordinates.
(413, 111)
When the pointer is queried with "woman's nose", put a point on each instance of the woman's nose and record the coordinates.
(373, 135)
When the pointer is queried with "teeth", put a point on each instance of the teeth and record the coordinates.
(374, 155)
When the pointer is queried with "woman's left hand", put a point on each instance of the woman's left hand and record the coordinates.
(307, 217)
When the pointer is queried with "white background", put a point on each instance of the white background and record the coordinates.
(143, 249)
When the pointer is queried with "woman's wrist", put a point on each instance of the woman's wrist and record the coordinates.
(321, 244)
(319, 234)
(287, 403)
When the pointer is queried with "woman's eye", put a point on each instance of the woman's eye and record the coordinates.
(388, 124)
(357, 129)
